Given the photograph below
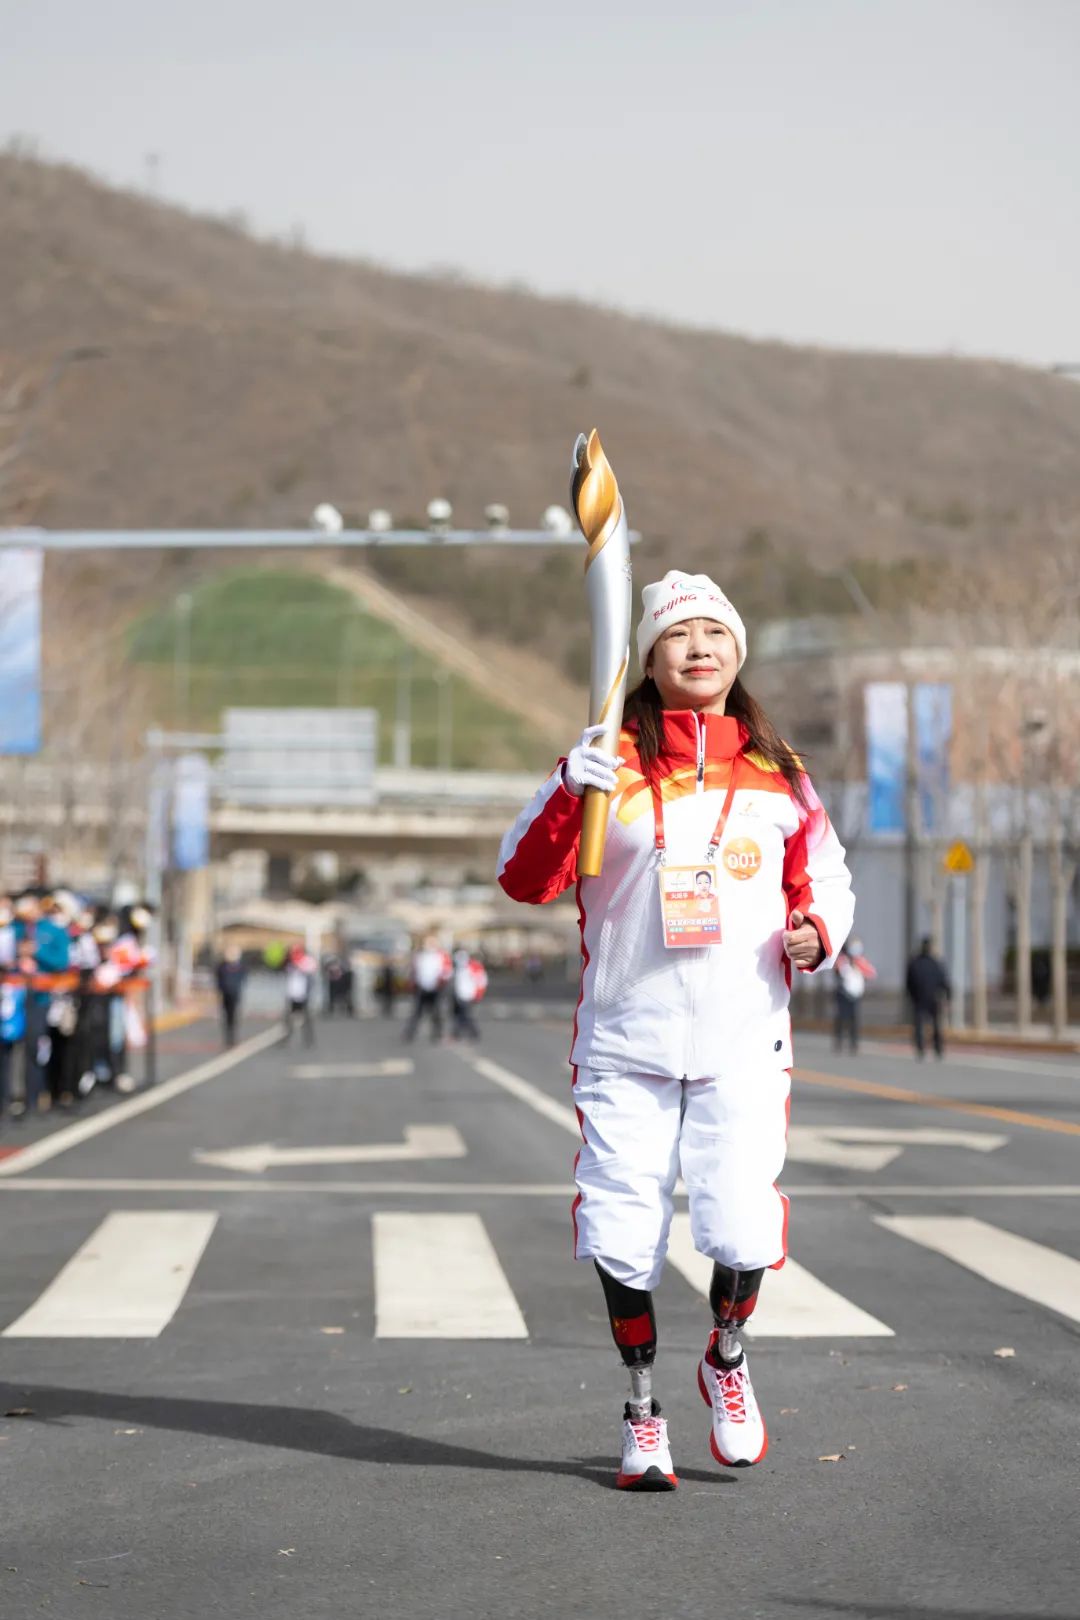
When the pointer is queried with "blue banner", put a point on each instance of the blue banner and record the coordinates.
(932, 703)
(20, 650)
(886, 753)
(191, 813)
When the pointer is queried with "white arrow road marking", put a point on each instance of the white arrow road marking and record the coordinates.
(421, 1142)
(125, 1282)
(837, 1144)
(352, 1071)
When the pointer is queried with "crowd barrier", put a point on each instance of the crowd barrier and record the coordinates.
(56, 1029)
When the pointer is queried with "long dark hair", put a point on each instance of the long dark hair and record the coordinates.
(645, 709)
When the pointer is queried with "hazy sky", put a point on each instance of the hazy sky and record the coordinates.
(881, 173)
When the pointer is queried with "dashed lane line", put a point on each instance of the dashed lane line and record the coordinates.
(85, 1129)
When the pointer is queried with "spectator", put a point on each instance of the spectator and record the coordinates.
(52, 955)
(853, 972)
(300, 970)
(927, 987)
(431, 968)
(229, 976)
(386, 986)
(469, 983)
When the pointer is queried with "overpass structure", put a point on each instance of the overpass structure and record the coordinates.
(81, 822)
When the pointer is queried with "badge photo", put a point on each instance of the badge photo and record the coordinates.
(690, 905)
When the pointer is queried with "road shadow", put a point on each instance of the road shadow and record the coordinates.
(294, 1428)
(831, 1608)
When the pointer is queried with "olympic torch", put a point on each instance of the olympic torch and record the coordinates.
(599, 508)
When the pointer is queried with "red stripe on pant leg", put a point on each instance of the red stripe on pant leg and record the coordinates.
(784, 1200)
(577, 1198)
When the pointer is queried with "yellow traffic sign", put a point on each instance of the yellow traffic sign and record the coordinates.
(958, 858)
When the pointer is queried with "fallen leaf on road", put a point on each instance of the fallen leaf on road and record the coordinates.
(127, 1431)
(82, 1581)
(851, 1448)
(20, 1411)
(834, 1456)
(899, 1388)
(788, 1411)
(1005, 1352)
(332, 1330)
(406, 1389)
(286, 1552)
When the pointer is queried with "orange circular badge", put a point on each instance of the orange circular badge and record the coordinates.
(742, 858)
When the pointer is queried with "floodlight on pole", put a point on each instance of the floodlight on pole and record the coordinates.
(327, 518)
(380, 521)
(557, 520)
(440, 513)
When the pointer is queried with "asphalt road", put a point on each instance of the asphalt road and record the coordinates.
(262, 1408)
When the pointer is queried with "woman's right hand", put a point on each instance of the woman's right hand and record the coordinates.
(587, 766)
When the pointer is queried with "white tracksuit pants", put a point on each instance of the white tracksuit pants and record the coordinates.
(728, 1138)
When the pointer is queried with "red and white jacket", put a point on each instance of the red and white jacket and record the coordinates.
(690, 1012)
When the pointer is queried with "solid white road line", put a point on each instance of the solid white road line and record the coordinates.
(125, 1282)
(438, 1277)
(494, 1189)
(1014, 1263)
(421, 1142)
(352, 1071)
(85, 1129)
(532, 1096)
(794, 1303)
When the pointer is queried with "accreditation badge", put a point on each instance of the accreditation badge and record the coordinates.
(690, 905)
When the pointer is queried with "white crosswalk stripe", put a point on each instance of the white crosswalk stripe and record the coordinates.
(1014, 1263)
(438, 1277)
(794, 1304)
(125, 1282)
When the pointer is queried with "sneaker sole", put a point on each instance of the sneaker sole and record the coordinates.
(727, 1462)
(651, 1480)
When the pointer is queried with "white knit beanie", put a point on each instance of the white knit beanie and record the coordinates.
(678, 597)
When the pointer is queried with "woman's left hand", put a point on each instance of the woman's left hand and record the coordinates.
(802, 942)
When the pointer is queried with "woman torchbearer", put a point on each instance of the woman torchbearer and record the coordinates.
(721, 872)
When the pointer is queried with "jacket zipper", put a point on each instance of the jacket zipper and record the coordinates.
(692, 967)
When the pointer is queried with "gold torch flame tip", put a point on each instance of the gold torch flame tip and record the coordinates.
(594, 493)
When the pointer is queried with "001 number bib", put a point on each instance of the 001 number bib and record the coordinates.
(689, 895)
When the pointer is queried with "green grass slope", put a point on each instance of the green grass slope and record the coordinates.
(274, 638)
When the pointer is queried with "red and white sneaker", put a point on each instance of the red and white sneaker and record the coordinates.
(646, 1458)
(738, 1437)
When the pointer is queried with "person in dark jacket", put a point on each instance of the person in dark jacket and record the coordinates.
(230, 976)
(927, 987)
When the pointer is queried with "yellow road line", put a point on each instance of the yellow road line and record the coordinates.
(953, 1105)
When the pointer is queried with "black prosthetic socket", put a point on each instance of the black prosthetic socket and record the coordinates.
(732, 1296)
(633, 1320)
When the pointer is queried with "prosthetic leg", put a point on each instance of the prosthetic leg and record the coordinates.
(633, 1327)
(646, 1457)
(738, 1436)
(732, 1297)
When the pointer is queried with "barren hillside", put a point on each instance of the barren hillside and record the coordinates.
(239, 382)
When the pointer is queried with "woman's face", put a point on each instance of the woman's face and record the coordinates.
(694, 665)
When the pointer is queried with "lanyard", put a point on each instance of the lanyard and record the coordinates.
(658, 815)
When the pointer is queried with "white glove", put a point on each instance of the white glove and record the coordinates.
(588, 766)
